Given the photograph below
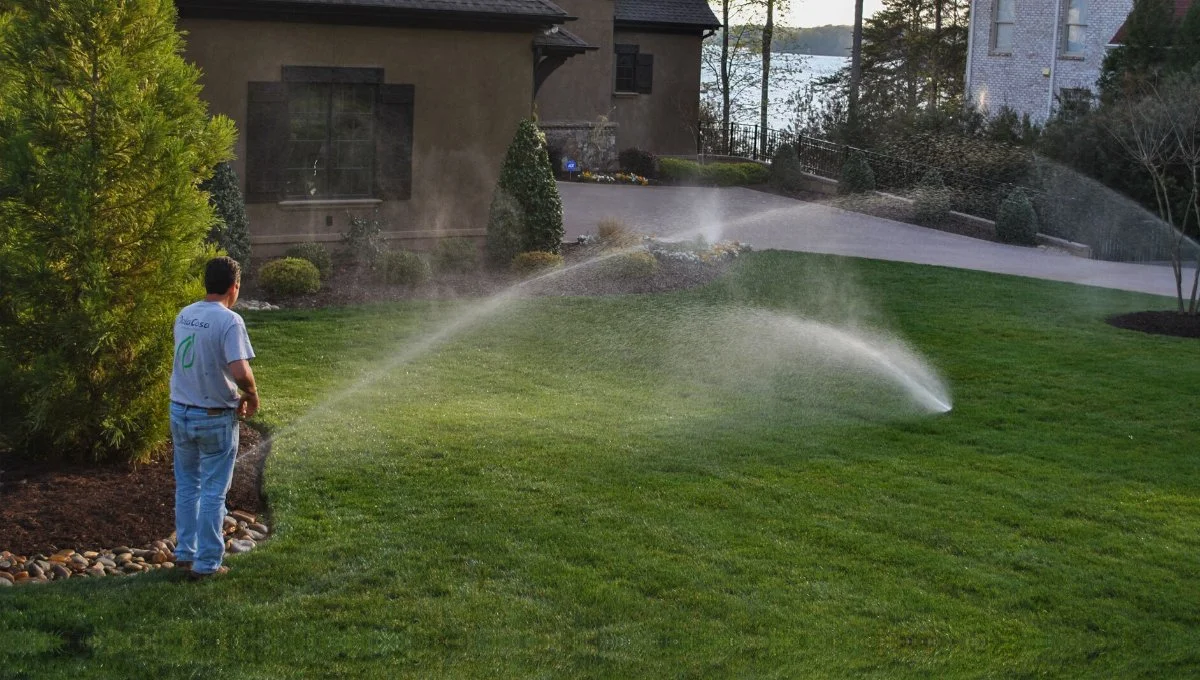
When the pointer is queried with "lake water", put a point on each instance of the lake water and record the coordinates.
(790, 73)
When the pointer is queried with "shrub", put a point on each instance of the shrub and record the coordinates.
(639, 162)
(535, 261)
(786, 173)
(857, 176)
(289, 277)
(364, 239)
(616, 234)
(678, 170)
(637, 264)
(931, 200)
(314, 253)
(1016, 221)
(751, 173)
(402, 268)
(102, 222)
(454, 255)
(231, 231)
(526, 213)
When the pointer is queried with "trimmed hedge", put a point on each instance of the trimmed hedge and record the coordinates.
(714, 174)
(315, 253)
(289, 277)
(639, 162)
(857, 176)
(931, 200)
(1017, 222)
(402, 268)
(786, 172)
(535, 262)
(454, 255)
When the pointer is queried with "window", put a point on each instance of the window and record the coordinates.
(634, 71)
(331, 149)
(1074, 29)
(1002, 26)
(328, 133)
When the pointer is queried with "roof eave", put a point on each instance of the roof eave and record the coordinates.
(307, 12)
(664, 27)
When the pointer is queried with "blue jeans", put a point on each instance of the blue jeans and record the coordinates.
(205, 451)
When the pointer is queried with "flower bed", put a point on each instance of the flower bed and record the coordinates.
(614, 178)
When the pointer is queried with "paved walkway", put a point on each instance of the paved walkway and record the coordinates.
(768, 221)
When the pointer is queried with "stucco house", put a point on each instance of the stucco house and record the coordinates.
(1026, 54)
(636, 84)
(405, 107)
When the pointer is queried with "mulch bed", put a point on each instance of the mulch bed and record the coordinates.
(49, 507)
(1159, 323)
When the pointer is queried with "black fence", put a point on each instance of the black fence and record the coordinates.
(969, 193)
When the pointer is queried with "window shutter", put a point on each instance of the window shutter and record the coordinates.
(645, 73)
(267, 137)
(394, 142)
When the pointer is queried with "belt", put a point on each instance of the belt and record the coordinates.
(210, 411)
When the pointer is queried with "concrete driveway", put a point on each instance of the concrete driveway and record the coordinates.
(767, 221)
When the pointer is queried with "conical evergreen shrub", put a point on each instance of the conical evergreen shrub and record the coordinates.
(1017, 221)
(857, 176)
(231, 231)
(526, 213)
(931, 200)
(103, 143)
(786, 172)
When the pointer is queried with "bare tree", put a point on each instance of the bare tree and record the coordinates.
(1161, 132)
(856, 67)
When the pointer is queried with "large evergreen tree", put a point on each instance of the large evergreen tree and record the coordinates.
(103, 143)
(1131, 68)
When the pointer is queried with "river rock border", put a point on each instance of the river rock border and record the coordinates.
(243, 532)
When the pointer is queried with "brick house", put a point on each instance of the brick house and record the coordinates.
(405, 108)
(636, 83)
(1026, 54)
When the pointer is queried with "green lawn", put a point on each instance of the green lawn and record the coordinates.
(650, 487)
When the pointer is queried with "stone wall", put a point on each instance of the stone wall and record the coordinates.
(1024, 78)
(593, 145)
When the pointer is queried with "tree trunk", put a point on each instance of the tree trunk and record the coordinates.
(855, 70)
(935, 54)
(767, 35)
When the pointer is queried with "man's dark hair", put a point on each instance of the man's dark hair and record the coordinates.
(220, 274)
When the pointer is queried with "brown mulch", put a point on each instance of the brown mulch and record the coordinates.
(1159, 323)
(49, 507)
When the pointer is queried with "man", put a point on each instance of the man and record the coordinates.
(212, 353)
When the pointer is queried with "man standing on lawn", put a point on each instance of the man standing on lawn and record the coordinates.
(212, 353)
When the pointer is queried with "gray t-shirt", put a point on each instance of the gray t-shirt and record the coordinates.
(208, 337)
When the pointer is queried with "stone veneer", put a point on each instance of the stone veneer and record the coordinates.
(593, 145)
(1024, 79)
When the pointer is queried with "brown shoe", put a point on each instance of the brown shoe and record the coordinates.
(199, 576)
(183, 566)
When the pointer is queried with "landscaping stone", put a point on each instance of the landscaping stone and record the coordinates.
(5, 583)
(60, 572)
(239, 545)
(243, 516)
(5, 576)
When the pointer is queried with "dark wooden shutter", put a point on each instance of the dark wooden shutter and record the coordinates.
(645, 73)
(267, 137)
(394, 142)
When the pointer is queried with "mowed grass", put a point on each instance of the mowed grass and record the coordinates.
(591, 488)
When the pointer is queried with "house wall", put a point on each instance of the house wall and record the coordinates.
(471, 91)
(581, 89)
(662, 121)
(1023, 79)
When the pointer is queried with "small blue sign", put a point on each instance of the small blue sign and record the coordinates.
(571, 166)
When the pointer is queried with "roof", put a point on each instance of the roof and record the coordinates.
(679, 14)
(561, 40)
(466, 13)
(1181, 9)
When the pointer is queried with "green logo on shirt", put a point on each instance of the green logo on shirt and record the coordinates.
(187, 351)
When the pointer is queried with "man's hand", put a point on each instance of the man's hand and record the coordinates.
(248, 406)
(244, 377)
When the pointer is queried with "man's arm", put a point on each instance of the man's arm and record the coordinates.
(244, 377)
